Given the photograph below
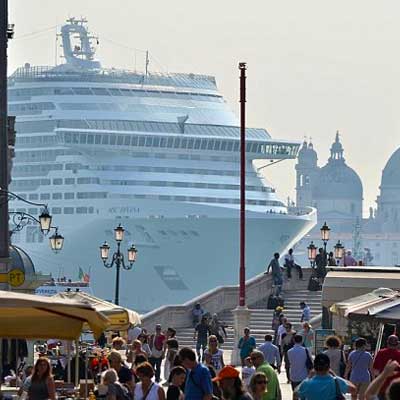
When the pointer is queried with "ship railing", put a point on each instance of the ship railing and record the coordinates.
(119, 75)
(301, 210)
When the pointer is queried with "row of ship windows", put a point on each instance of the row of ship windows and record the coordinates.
(197, 185)
(198, 199)
(173, 170)
(138, 126)
(15, 93)
(67, 196)
(178, 142)
(56, 181)
(23, 183)
(51, 155)
(58, 210)
(20, 170)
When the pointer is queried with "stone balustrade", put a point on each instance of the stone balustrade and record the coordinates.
(217, 300)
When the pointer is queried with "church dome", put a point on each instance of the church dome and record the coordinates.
(391, 172)
(336, 179)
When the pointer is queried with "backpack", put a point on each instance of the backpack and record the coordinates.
(122, 392)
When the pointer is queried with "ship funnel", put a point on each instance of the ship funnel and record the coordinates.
(81, 53)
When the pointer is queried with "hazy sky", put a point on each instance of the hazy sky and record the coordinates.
(314, 66)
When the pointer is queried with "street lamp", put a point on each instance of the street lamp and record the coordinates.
(132, 253)
(45, 221)
(325, 235)
(312, 253)
(339, 251)
(56, 241)
(119, 233)
(118, 257)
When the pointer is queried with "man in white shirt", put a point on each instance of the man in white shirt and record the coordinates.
(133, 333)
(300, 362)
(289, 264)
(306, 313)
(271, 353)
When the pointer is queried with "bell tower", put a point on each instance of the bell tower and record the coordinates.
(306, 174)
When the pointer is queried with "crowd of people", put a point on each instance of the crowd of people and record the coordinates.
(154, 367)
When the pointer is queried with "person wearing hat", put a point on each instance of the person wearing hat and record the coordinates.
(323, 385)
(231, 385)
(391, 352)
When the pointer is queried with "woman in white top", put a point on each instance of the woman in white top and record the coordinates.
(146, 389)
(216, 354)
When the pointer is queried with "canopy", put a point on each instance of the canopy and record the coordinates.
(27, 316)
(348, 282)
(120, 318)
(381, 305)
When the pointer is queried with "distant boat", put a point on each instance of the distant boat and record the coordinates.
(56, 286)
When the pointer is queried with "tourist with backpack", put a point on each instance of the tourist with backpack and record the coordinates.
(323, 385)
(198, 380)
(300, 362)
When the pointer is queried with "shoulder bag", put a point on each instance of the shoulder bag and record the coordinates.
(309, 363)
(342, 364)
(339, 394)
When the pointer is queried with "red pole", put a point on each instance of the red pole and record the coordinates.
(242, 273)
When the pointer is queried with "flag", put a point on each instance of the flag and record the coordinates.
(81, 274)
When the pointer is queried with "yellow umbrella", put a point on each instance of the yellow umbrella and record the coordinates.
(120, 318)
(26, 316)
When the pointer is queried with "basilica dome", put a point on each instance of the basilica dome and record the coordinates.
(336, 180)
(391, 172)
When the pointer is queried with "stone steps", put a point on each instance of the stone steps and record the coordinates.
(261, 318)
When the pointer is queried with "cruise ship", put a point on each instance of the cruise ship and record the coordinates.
(156, 153)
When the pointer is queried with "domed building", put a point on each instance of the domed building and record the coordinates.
(388, 202)
(338, 191)
(335, 189)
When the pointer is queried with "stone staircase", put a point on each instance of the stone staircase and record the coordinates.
(261, 317)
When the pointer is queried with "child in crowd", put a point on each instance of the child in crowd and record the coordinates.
(247, 371)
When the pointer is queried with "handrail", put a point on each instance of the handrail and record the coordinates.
(216, 300)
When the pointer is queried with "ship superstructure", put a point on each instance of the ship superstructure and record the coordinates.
(158, 153)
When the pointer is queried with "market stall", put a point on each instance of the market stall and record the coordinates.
(120, 318)
(25, 316)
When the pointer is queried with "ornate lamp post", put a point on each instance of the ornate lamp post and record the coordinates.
(118, 257)
(20, 219)
(325, 230)
(312, 254)
(339, 251)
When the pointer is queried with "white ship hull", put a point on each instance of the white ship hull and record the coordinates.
(179, 258)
